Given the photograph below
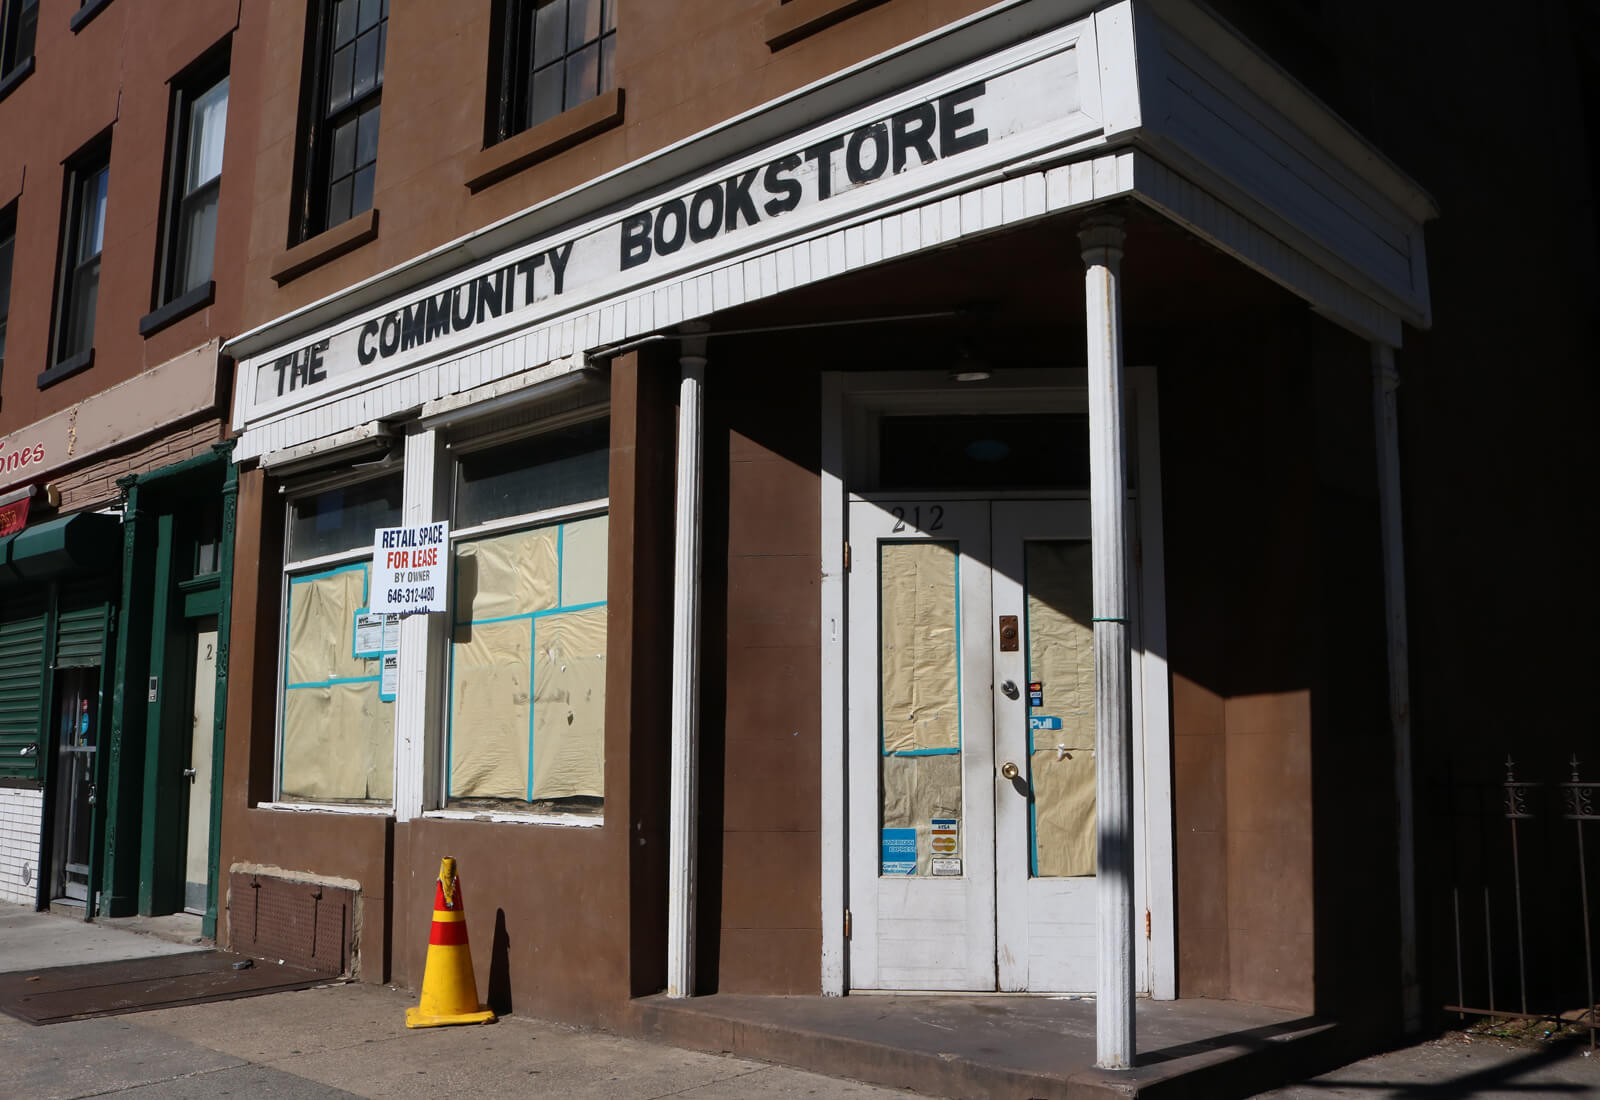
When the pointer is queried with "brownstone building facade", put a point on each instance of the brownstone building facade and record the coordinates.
(730, 381)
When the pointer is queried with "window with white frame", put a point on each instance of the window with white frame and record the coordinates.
(336, 726)
(525, 711)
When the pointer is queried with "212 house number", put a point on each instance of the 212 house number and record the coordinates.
(911, 516)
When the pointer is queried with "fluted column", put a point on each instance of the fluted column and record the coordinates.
(1101, 240)
(683, 836)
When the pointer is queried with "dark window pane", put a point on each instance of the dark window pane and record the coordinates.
(2, 340)
(342, 519)
(339, 78)
(383, 48)
(1023, 451)
(7, 244)
(371, 11)
(339, 202)
(583, 73)
(367, 138)
(608, 62)
(197, 234)
(545, 98)
(366, 74)
(343, 160)
(27, 27)
(550, 32)
(84, 292)
(344, 21)
(361, 197)
(568, 466)
(609, 22)
(583, 22)
(92, 226)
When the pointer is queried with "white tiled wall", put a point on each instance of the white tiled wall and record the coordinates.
(20, 814)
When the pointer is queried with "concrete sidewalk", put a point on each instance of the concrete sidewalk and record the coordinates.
(35, 941)
(351, 1040)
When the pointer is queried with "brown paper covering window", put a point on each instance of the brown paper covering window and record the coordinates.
(527, 704)
(921, 704)
(338, 735)
(1061, 657)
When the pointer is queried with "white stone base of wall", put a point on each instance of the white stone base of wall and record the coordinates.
(21, 814)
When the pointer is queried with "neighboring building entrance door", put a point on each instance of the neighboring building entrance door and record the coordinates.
(971, 745)
(198, 771)
(77, 742)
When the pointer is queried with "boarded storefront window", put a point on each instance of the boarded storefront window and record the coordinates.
(528, 641)
(337, 740)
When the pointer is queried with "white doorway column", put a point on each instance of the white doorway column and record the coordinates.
(1385, 381)
(1101, 239)
(683, 834)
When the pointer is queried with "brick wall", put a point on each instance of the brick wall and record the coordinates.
(95, 486)
(21, 811)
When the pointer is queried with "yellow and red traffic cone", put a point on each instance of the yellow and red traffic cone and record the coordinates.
(449, 991)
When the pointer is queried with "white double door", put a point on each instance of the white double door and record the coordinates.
(971, 746)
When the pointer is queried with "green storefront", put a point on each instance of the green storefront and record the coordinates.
(113, 676)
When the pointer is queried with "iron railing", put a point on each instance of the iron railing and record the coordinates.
(1520, 854)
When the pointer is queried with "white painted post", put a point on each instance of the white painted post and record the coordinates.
(683, 838)
(426, 499)
(1385, 380)
(1101, 239)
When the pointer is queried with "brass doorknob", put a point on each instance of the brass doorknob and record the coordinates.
(1009, 770)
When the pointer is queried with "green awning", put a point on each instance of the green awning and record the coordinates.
(88, 542)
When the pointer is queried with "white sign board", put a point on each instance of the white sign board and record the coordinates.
(408, 568)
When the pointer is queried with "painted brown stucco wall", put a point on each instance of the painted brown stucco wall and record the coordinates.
(761, 713)
(1275, 621)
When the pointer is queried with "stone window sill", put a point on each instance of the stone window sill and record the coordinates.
(88, 11)
(797, 19)
(519, 151)
(328, 245)
(67, 368)
(179, 308)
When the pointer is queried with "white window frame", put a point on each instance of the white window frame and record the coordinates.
(464, 443)
(292, 492)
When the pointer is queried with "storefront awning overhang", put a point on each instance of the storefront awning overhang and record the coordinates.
(89, 542)
(1027, 110)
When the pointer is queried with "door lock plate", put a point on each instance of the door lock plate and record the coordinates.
(1008, 633)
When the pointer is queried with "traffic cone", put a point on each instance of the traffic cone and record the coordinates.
(449, 991)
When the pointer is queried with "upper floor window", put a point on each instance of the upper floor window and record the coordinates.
(8, 241)
(554, 55)
(19, 19)
(342, 96)
(83, 235)
(194, 182)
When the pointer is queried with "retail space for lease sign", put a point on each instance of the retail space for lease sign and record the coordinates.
(408, 568)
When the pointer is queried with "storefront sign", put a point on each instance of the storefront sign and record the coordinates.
(909, 142)
(408, 568)
(179, 388)
(13, 516)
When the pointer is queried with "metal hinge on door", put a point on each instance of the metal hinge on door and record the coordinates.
(1147, 924)
(847, 924)
(847, 557)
